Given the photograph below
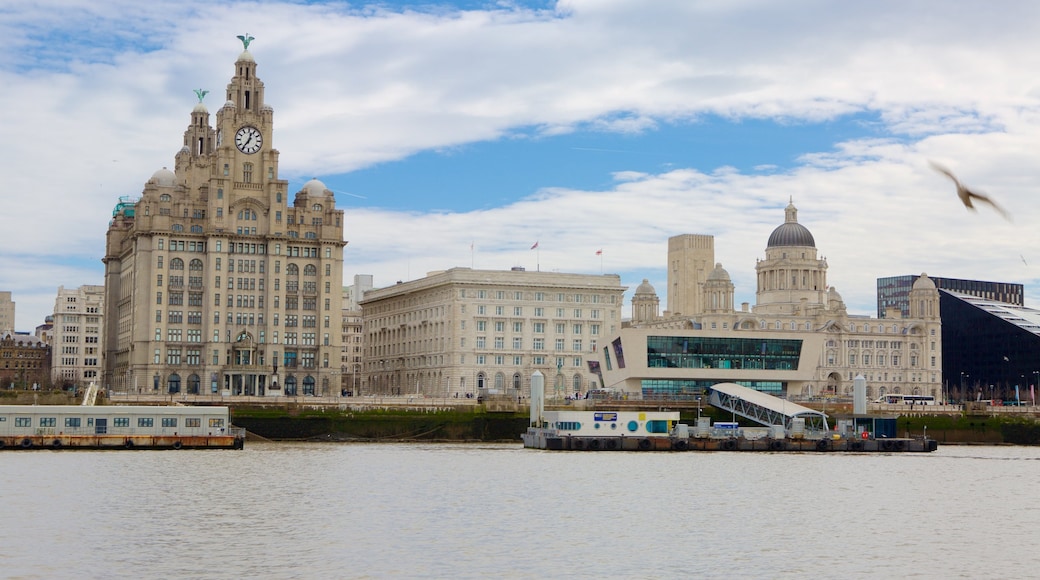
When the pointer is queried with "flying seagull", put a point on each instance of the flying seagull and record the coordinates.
(967, 195)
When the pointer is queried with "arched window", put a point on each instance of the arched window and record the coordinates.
(292, 270)
(177, 228)
(196, 229)
(500, 380)
(517, 383)
(481, 381)
(164, 197)
(310, 270)
(176, 264)
(317, 207)
(193, 384)
(290, 385)
(173, 384)
(195, 265)
(308, 385)
(576, 383)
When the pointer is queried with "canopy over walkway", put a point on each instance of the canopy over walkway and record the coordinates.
(763, 408)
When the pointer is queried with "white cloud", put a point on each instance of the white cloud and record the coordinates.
(97, 96)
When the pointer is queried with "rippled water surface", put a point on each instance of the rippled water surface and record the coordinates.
(328, 510)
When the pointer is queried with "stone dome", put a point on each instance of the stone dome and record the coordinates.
(924, 283)
(791, 233)
(315, 188)
(246, 56)
(645, 288)
(164, 177)
(200, 108)
(719, 273)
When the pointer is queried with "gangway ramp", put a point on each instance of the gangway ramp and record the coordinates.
(763, 408)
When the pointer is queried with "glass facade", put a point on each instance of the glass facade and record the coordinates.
(691, 389)
(690, 352)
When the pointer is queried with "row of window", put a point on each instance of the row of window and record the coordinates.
(74, 422)
(518, 360)
(239, 248)
(193, 357)
(539, 312)
(538, 296)
(537, 343)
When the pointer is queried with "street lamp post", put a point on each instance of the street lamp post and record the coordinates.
(963, 374)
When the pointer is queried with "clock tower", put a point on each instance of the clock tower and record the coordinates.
(259, 310)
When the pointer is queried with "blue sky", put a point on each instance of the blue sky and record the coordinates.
(580, 124)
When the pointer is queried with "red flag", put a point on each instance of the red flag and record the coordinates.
(534, 246)
(599, 252)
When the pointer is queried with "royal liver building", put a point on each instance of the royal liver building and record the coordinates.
(217, 282)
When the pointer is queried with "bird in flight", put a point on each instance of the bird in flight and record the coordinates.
(968, 195)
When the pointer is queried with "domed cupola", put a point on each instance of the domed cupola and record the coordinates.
(645, 304)
(719, 274)
(791, 233)
(718, 291)
(645, 288)
(792, 279)
(163, 178)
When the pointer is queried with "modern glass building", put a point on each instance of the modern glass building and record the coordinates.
(893, 292)
(680, 364)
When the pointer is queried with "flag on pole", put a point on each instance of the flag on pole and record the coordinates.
(534, 246)
(599, 252)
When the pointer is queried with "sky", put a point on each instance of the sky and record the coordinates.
(459, 133)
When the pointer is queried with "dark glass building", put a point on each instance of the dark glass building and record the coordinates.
(991, 349)
(893, 292)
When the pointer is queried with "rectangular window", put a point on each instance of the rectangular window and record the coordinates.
(23, 421)
(72, 421)
(518, 311)
(147, 421)
(121, 422)
(169, 422)
(192, 422)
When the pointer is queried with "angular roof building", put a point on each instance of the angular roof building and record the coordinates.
(991, 349)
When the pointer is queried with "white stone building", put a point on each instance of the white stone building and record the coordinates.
(76, 335)
(465, 332)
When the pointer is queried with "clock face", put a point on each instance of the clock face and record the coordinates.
(249, 139)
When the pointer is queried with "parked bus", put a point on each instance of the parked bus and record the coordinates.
(897, 399)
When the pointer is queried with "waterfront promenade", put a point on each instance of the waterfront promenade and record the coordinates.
(506, 404)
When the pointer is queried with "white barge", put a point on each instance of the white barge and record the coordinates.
(117, 427)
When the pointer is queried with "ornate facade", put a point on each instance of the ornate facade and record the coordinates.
(823, 347)
(215, 281)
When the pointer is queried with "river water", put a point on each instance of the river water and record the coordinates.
(331, 510)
